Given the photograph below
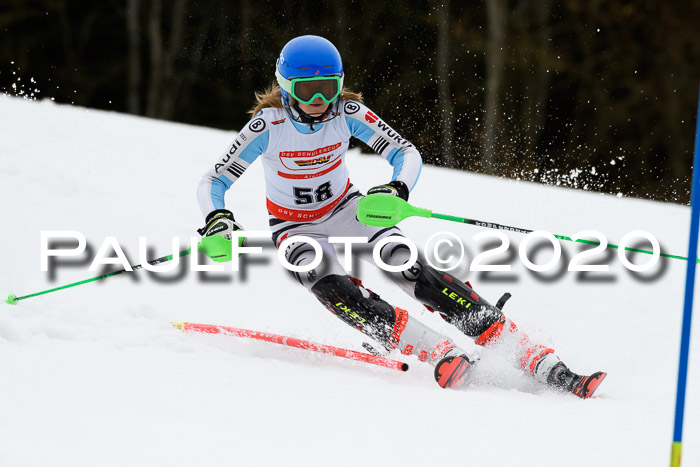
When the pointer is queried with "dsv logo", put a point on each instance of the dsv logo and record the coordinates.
(257, 125)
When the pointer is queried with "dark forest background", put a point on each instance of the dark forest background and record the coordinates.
(593, 94)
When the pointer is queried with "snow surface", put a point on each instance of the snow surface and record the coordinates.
(96, 376)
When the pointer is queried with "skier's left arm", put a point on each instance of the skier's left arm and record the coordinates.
(246, 147)
(366, 126)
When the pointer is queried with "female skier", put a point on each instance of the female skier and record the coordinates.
(301, 130)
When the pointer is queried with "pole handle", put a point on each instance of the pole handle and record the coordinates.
(380, 210)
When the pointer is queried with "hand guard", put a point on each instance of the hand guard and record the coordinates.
(217, 235)
(393, 188)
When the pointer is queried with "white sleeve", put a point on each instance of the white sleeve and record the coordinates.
(250, 143)
(365, 125)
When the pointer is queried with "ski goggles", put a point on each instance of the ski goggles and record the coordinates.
(306, 90)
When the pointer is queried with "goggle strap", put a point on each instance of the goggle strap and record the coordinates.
(284, 83)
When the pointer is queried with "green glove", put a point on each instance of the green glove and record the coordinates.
(217, 235)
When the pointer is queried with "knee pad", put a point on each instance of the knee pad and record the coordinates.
(301, 253)
(456, 302)
(396, 255)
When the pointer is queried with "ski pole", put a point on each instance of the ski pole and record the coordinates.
(690, 273)
(386, 211)
(293, 342)
(13, 299)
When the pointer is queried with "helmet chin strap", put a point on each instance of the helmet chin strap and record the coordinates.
(309, 119)
(300, 116)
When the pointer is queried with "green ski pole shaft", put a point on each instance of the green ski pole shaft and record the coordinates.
(492, 225)
(380, 210)
(13, 299)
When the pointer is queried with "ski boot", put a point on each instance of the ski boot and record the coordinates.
(391, 326)
(561, 378)
(459, 305)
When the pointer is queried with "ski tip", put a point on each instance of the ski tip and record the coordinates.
(180, 326)
(596, 379)
(11, 300)
(588, 385)
(404, 367)
(450, 372)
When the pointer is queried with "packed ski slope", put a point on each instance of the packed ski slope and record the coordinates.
(96, 376)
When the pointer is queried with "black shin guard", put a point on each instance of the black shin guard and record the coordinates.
(455, 301)
(358, 307)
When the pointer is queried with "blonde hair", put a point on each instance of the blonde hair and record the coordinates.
(272, 97)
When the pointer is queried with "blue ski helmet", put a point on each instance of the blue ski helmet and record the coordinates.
(309, 57)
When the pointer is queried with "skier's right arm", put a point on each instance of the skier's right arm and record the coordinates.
(250, 143)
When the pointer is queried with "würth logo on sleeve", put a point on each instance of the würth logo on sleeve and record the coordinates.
(370, 117)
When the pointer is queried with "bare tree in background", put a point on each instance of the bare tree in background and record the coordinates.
(495, 57)
(443, 73)
(535, 48)
(245, 48)
(164, 86)
(133, 33)
(155, 41)
(341, 23)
